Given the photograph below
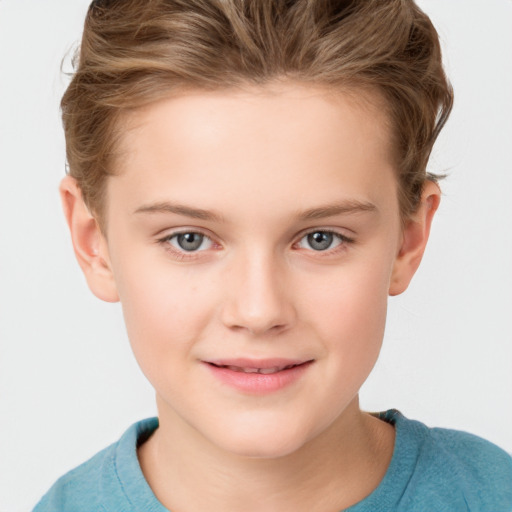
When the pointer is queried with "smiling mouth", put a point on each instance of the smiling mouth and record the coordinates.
(258, 376)
(263, 371)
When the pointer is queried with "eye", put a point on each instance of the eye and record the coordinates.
(189, 242)
(321, 240)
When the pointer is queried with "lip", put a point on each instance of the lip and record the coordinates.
(258, 376)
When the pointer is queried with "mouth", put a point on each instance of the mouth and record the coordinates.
(256, 369)
(259, 376)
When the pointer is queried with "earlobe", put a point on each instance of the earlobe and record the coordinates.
(89, 243)
(414, 239)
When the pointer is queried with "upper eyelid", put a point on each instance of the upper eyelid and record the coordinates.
(334, 231)
(181, 231)
(321, 230)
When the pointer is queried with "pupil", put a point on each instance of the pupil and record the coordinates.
(320, 240)
(190, 241)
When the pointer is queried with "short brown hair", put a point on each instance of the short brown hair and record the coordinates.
(134, 52)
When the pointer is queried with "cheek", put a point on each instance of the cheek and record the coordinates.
(165, 310)
(352, 330)
(355, 316)
(349, 312)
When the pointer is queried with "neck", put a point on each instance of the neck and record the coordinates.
(333, 471)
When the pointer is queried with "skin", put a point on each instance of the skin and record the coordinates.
(270, 165)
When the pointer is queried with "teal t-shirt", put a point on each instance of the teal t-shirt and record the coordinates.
(432, 470)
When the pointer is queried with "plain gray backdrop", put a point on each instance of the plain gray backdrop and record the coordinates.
(68, 382)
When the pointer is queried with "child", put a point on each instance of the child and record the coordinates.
(248, 179)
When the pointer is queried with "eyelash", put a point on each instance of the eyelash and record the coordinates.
(344, 241)
(183, 255)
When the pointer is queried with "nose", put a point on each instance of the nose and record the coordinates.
(257, 298)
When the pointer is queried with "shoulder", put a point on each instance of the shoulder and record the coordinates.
(456, 465)
(99, 483)
(479, 462)
(470, 449)
(78, 487)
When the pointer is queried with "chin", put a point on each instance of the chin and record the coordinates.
(262, 443)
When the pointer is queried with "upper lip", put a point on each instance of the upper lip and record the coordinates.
(275, 363)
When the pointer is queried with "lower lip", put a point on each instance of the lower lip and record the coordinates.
(259, 383)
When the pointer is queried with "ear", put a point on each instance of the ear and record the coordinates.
(414, 239)
(89, 243)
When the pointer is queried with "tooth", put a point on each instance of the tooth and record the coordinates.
(266, 371)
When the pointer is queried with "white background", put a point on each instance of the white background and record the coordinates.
(68, 382)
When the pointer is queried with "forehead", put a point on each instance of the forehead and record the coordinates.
(286, 140)
(254, 110)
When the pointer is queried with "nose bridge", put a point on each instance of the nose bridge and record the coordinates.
(256, 298)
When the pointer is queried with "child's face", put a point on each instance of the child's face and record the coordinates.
(252, 230)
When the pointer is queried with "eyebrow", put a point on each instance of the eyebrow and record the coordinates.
(330, 210)
(342, 208)
(180, 209)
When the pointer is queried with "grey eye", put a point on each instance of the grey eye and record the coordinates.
(321, 240)
(188, 241)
